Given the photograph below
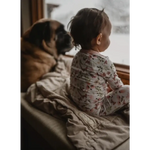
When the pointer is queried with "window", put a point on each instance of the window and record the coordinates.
(118, 12)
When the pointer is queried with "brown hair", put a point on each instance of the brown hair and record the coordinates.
(86, 25)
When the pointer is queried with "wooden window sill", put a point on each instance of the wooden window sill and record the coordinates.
(123, 72)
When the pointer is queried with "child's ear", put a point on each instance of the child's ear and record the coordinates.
(99, 39)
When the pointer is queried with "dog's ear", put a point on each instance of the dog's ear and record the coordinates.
(40, 31)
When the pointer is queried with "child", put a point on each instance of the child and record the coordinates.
(90, 28)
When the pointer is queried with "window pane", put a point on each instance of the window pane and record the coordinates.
(118, 12)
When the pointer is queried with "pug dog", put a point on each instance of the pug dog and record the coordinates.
(41, 45)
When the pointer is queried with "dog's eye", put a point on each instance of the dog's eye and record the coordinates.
(61, 34)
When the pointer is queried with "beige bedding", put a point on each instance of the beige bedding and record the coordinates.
(52, 96)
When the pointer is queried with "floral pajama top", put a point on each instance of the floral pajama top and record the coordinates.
(90, 73)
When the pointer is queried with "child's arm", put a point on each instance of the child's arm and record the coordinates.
(111, 75)
(108, 88)
(114, 81)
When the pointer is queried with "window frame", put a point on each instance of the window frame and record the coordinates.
(37, 12)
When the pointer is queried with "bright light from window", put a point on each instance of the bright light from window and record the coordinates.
(118, 12)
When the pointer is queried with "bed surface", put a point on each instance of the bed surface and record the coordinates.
(51, 129)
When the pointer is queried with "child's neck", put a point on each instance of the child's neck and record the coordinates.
(90, 51)
(96, 50)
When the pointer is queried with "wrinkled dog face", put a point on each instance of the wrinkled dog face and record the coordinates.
(63, 40)
(53, 34)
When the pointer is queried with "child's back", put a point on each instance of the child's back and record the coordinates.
(91, 71)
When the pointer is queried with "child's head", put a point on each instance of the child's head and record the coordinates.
(90, 28)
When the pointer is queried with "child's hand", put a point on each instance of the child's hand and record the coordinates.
(108, 88)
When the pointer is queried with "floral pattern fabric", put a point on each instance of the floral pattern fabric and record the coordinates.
(90, 74)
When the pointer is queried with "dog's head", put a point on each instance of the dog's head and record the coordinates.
(49, 35)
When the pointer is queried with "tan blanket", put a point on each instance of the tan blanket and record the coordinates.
(52, 96)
